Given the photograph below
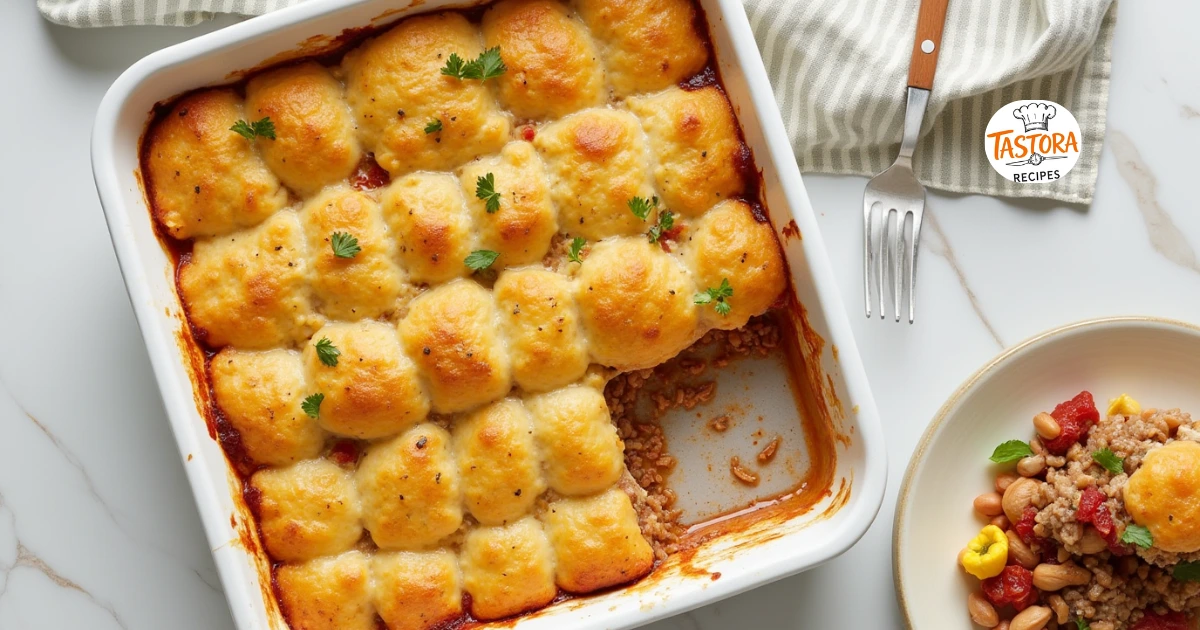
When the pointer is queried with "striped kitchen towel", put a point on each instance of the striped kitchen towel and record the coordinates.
(839, 71)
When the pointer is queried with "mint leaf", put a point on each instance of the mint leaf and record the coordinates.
(1109, 461)
(1135, 534)
(1011, 451)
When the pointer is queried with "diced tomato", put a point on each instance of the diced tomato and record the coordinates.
(1089, 505)
(369, 175)
(1092, 510)
(1169, 621)
(1049, 550)
(344, 452)
(1013, 586)
(1024, 527)
(528, 133)
(1075, 416)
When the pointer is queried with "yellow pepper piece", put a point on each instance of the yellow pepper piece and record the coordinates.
(1124, 406)
(987, 553)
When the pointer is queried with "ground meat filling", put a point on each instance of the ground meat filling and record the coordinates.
(1081, 501)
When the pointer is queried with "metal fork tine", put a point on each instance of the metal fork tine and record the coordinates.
(868, 254)
(881, 259)
(912, 265)
(897, 258)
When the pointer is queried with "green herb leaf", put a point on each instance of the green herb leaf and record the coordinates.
(327, 352)
(719, 297)
(488, 65)
(312, 405)
(666, 221)
(641, 207)
(1135, 534)
(249, 131)
(481, 259)
(1187, 572)
(454, 66)
(344, 245)
(577, 244)
(1011, 451)
(433, 126)
(1109, 461)
(485, 189)
(1082, 624)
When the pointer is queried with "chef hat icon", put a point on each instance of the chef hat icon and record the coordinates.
(1035, 115)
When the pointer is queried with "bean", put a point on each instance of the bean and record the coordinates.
(1019, 551)
(1017, 497)
(1059, 605)
(1091, 542)
(1001, 521)
(1004, 480)
(989, 504)
(1032, 618)
(1037, 447)
(1046, 426)
(1031, 466)
(1055, 577)
(982, 611)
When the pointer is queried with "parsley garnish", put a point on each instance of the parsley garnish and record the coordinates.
(433, 126)
(312, 405)
(719, 297)
(1135, 534)
(1011, 451)
(641, 207)
(1109, 461)
(249, 131)
(481, 259)
(327, 352)
(577, 244)
(344, 245)
(666, 221)
(488, 65)
(1187, 572)
(1082, 624)
(485, 189)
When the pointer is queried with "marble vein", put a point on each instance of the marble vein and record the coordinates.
(943, 248)
(26, 558)
(1165, 236)
(1187, 111)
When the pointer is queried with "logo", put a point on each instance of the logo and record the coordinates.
(1033, 142)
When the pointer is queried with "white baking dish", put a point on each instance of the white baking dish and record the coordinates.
(769, 549)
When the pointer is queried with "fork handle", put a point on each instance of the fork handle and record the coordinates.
(928, 43)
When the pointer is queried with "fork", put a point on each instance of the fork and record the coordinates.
(891, 197)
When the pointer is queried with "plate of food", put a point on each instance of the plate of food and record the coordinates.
(1059, 487)
(505, 313)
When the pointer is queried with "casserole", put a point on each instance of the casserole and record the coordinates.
(776, 544)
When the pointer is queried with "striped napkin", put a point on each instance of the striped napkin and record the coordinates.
(839, 71)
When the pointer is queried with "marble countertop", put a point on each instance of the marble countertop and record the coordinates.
(97, 525)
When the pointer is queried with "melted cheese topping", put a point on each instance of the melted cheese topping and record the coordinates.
(460, 452)
(260, 395)
(553, 68)
(204, 179)
(308, 509)
(315, 143)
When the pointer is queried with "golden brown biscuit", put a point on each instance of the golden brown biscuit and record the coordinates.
(409, 488)
(523, 226)
(308, 509)
(452, 334)
(646, 45)
(553, 68)
(636, 304)
(395, 88)
(204, 179)
(501, 473)
(1161, 496)
(430, 225)
(327, 593)
(250, 289)
(259, 393)
(729, 243)
(597, 542)
(365, 285)
(694, 138)
(581, 450)
(541, 323)
(315, 142)
(416, 590)
(598, 161)
(374, 390)
(508, 569)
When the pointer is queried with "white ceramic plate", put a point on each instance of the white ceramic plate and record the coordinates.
(1156, 361)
